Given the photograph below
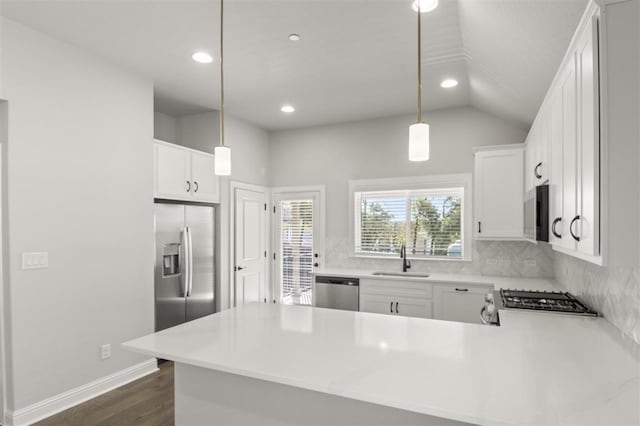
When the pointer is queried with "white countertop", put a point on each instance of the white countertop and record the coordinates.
(535, 369)
(497, 282)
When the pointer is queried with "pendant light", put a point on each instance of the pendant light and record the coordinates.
(222, 153)
(419, 132)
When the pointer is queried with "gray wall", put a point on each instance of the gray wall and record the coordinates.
(80, 179)
(332, 155)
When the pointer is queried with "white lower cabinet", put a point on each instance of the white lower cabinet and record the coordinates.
(459, 302)
(396, 297)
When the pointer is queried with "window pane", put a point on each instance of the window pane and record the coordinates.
(297, 247)
(435, 225)
(382, 223)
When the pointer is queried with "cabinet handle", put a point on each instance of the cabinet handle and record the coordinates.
(536, 172)
(462, 289)
(188, 186)
(196, 185)
(553, 227)
(575, 237)
(397, 312)
(479, 227)
(391, 307)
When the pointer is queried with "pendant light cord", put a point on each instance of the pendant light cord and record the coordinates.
(221, 75)
(419, 64)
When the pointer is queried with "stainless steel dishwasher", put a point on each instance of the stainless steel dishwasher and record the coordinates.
(337, 293)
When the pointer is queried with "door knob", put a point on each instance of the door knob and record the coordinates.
(315, 264)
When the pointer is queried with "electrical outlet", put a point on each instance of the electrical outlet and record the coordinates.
(530, 262)
(492, 261)
(504, 261)
(105, 351)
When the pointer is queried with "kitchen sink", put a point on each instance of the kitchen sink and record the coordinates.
(401, 274)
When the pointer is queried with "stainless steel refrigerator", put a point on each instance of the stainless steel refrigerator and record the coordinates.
(185, 265)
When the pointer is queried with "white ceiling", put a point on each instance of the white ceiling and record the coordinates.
(356, 59)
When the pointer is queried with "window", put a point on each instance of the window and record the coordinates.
(429, 215)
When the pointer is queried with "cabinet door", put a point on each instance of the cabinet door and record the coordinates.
(557, 233)
(588, 165)
(499, 193)
(173, 175)
(412, 307)
(569, 153)
(459, 302)
(205, 182)
(377, 304)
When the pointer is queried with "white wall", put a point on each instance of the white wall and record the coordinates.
(249, 164)
(332, 155)
(80, 173)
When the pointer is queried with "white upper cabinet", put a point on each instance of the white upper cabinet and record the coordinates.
(588, 159)
(537, 166)
(184, 174)
(499, 192)
(575, 149)
(205, 182)
(172, 171)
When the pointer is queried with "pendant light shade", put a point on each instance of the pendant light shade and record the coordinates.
(222, 153)
(419, 142)
(419, 132)
(223, 160)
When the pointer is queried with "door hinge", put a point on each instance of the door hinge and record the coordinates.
(274, 256)
(265, 253)
(274, 209)
(265, 206)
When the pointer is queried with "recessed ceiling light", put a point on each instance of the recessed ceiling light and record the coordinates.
(287, 108)
(425, 5)
(449, 83)
(294, 37)
(202, 57)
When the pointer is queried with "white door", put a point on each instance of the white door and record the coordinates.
(250, 246)
(173, 171)
(205, 182)
(298, 238)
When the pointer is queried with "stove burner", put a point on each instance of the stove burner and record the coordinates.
(544, 301)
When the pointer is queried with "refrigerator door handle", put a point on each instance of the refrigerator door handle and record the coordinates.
(185, 261)
(190, 242)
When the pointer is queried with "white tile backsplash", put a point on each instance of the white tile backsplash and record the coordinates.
(496, 258)
(612, 291)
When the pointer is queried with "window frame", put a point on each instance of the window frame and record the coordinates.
(404, 184)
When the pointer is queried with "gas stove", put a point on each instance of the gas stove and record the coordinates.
(544, 301)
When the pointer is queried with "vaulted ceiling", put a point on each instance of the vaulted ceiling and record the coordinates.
(356, 59)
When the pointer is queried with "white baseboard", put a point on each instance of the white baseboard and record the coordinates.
(55, 404)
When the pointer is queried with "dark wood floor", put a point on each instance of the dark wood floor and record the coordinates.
(147, 401)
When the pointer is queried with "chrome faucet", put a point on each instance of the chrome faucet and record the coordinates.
(403, 255)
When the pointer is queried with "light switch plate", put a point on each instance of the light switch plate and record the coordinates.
(35, 260)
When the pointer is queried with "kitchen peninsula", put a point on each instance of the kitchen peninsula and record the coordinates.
(280, 364)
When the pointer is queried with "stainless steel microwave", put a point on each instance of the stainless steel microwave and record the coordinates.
(536, 214)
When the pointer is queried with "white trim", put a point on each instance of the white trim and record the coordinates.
(458, 180)
(597, 260)
(233, 185)
(50, 406)
(186, 148)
